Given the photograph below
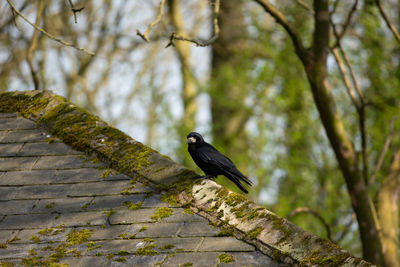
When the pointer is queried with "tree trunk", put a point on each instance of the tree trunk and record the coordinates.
(388, 213)
(189, 89)
(316, 68)
(228, 90)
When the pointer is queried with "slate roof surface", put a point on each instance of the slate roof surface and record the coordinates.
(121, 202)
(59, 205)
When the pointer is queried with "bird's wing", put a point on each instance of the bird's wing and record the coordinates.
(213, 157)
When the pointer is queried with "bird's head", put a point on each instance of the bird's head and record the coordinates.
(194, 138)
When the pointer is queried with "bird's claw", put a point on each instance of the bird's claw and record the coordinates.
(211, 177)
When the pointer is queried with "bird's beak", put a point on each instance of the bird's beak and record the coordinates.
(191, 140)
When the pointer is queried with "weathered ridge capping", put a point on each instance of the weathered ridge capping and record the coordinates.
(273, 235)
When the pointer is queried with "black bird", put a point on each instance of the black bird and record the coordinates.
(212, 162)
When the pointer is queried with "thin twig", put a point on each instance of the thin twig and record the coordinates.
(46, 33)
(385, 149)
(335, 5)
(32, 46)
(214, 37)
(345, 77)
(75, 10)
(347, 23)
(347, 228)
(305, 6)
(154, 23)
(360, 106)
(197, 42)
(315, 214)
(282, 20)
(388, 23)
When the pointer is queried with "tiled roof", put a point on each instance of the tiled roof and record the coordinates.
(50, 192)
(76, 191)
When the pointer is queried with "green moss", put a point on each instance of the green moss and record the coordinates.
(47, 248)
(78, 237)
(325, 258)
(50, 140)
(226, 230)
(148, 239)
(189, 211)
(109, 213)
(12, 240)
(171, 199)
(162, 213)
(46, 231)
(59, 252)
(110, 256)
(225, 258)
(235, 199)
(7, 264)
(187, 264)
(127, 236)
(254, 214)
(241, 210)
(120, 259)
(35, 239)
(98, 254)
(166, 247)
(40, 261)
(127, 190)
(3, 246)
(147, 250)
(133, 206)
(252, 234)
(85, 206)
(92, 246)
(278, 224)
(75, 252)
(144, 228)
(122, 253)
(106, 173)
(26, 103)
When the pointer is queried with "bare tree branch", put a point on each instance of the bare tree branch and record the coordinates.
(388, 23)
(214, 37)
(347, 23)
(335, 5)
(305, 6)
(33, 46)
(152, 24)
(282, 20)
(46, 33)
(315, 214)
(347, 228)
(345, 78)
(75, 10)
(360, 104)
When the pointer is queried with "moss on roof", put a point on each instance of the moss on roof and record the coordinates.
(273, 235)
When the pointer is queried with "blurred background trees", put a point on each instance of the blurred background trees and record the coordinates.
(308, 110)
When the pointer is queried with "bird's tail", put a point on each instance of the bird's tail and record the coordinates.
(241, 187)
(240, 176)
(236, 177)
